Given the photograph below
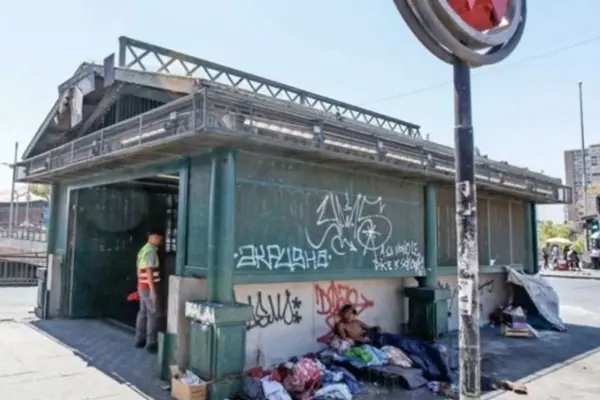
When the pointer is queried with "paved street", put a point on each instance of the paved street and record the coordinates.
(86, 359)
(17, 303)
(575, 379)
(585, 274)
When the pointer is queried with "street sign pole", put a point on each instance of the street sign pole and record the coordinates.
(466, 226)
(466, 34)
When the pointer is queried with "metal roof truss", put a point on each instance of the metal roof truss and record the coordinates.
(214, 116)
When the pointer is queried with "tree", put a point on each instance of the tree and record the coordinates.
(549, 229)
(580, 244)
(39, 190)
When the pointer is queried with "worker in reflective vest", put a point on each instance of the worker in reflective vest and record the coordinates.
(148, 278)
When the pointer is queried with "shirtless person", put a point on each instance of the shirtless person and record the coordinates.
(352, 329)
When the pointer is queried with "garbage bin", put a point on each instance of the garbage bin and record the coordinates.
(42, 275)
(218, 343)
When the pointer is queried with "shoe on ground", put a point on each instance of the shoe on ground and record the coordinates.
(140, 344)
(152, 348)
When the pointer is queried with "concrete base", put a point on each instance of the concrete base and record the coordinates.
(181, 290)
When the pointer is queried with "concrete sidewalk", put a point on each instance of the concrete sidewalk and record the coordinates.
(89, 359)
(575, 380)
(36, 367)
(585, 274)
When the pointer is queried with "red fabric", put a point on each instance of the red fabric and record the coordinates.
(133, 296)
(326, 338)
(258, 373)
(303, 379)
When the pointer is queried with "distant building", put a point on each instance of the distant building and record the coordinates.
(29, 210)
(582, 205)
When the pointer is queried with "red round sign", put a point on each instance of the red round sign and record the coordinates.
(480, 14)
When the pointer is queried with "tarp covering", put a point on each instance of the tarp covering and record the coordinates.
(541, 294)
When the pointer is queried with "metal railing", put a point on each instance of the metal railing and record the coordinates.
(24, 234)
(14, 273)
(169, 120)
(233, 114)
(137, 55)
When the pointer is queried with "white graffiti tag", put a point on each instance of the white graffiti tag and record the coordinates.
(405, 256)
(351, 226)
(359, 225)
(275, 257)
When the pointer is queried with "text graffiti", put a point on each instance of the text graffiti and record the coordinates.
(404, 256)
(357, 224)
(330, 299)
(271, 309)
(275, 257)
(485, 287)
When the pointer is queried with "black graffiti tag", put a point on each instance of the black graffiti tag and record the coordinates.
(486, 287)
(271, 309)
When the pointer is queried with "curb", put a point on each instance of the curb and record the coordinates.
(544, 372)
(592, 277)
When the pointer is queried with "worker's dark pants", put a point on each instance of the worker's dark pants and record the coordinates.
(146, 321)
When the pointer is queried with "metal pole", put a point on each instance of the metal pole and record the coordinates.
(16, 219)
(12, 191)
(27, 201)
(585, 188)
(466, 227)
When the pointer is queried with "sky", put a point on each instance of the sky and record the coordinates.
(526, 108)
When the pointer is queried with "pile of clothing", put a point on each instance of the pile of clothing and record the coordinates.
(302, 378)
(332, 373)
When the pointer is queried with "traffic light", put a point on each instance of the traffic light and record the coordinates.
(592, 224)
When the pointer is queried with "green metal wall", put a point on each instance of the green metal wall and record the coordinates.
(111, 224)
(198, 214)
(501, 230)
(301, 221)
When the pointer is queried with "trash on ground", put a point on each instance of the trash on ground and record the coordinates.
(187, 386)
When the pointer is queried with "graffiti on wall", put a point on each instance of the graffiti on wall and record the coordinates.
(486, 287)
(357, 224)
(270, 309)
(331, 298)
(274, 257)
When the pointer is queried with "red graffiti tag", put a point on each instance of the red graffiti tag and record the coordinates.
(330, 299)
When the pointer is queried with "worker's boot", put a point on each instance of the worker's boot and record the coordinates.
(140, 344)
(152, 348)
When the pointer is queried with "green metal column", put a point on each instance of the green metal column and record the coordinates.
(427, 307)
(534, 238)
(53, 218)
(41, 309)
(221, 243)
(218, 325)
(182, 218)
(531, 264)
(431, 246)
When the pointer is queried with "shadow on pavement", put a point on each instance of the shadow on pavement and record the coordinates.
(524, 359)
(110, 350)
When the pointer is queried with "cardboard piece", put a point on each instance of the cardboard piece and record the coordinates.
(184, 391)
